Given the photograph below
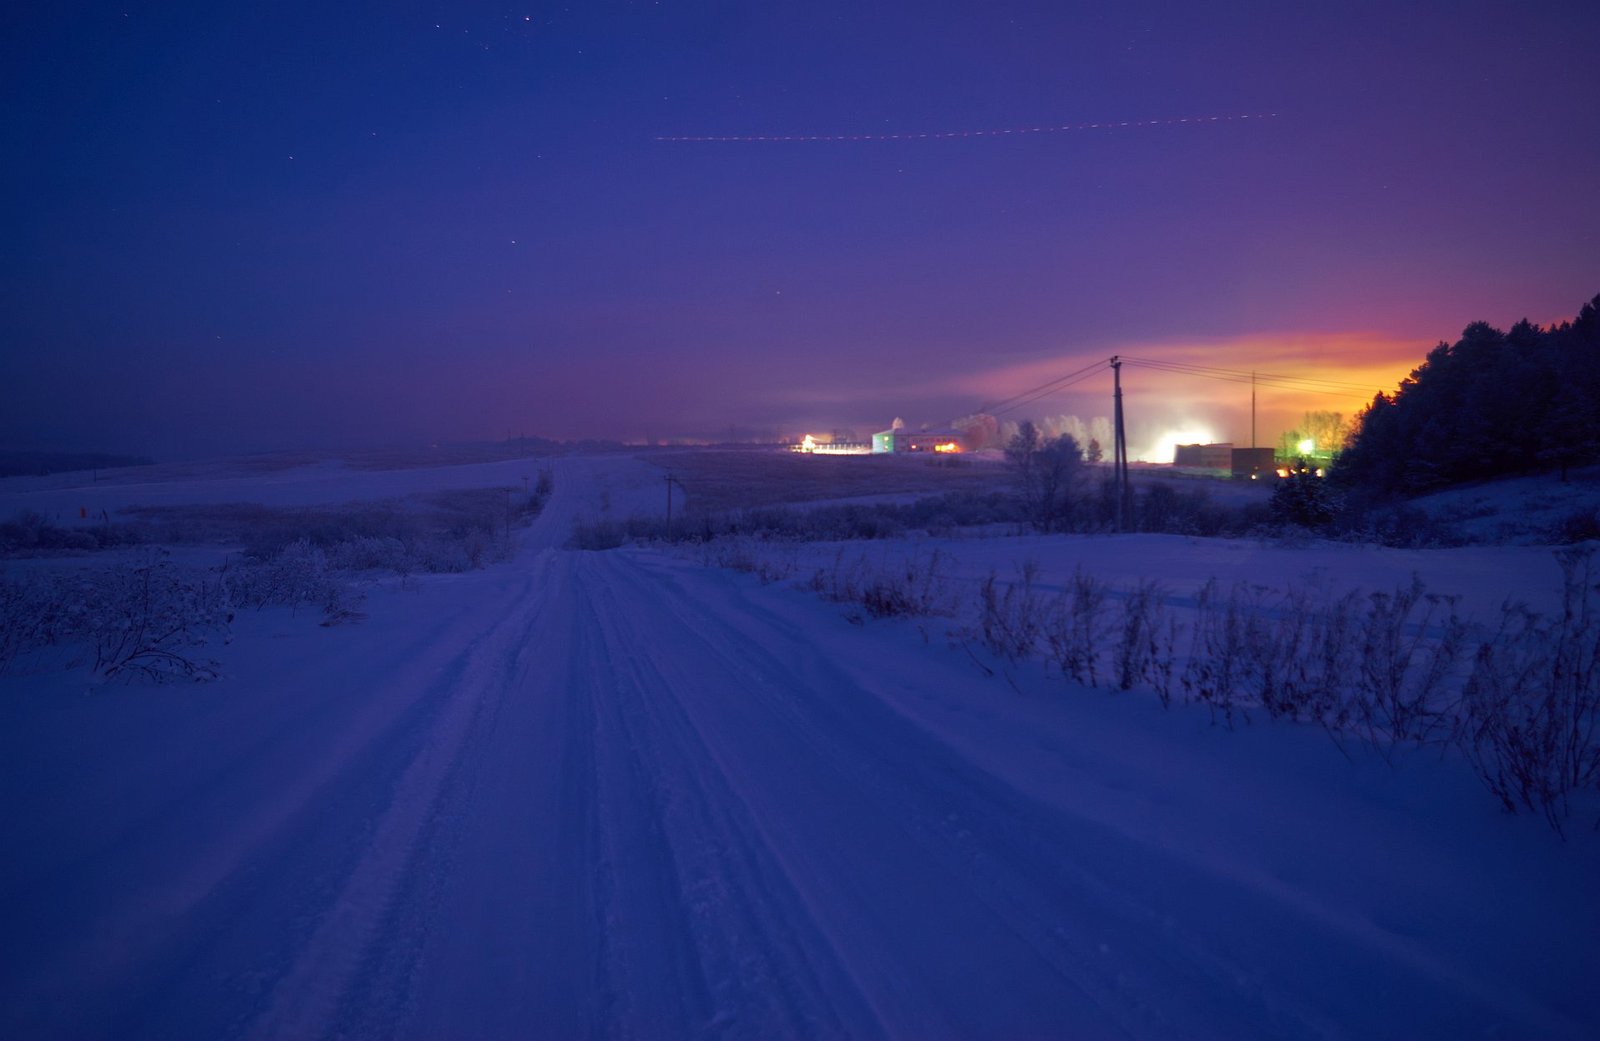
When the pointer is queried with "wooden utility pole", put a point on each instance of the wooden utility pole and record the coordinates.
(1119, 462)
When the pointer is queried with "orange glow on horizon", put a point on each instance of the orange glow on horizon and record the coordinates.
(1377, 360)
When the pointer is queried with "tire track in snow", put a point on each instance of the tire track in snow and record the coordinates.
(517, 936)
(1159, 941)
(306, 1000)
(848, 835)
(760, 966)
(145, 926)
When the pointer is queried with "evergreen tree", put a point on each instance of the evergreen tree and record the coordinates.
(1491, 404)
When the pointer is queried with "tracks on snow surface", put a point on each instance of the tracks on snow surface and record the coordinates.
(599, 795)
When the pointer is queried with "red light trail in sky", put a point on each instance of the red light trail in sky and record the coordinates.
(940, 134)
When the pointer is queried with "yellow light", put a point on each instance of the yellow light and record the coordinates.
(948, 446)
(1307, 446)
(808, 444)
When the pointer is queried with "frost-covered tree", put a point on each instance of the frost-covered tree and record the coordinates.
(1049, 474)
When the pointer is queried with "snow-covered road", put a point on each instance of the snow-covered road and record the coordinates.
(618, 795)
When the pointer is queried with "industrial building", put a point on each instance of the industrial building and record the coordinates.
(812, 445)
(900, 440)
(1204, 457)
(1249, 463)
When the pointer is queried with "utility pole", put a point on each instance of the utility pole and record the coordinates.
(1252, 408)
(1119, 462)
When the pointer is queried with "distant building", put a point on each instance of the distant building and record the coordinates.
(1253, 463)
(831, 445)
(1204, 457)
(899, 440)
(1225, 458)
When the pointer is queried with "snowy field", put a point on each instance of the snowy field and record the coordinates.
(630, 793)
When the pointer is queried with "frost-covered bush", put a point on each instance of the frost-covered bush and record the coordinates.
(147, 618)
(1313, 654)
(371, 553)
(1144, 634)
(1010, 623)
(1530, 710)
(913, 586)
(153, 620)
(297, 576)
(1410, 642)
(750, 557)
(31, 616)
(1077, 626)
(1521, 699)
(1228, 661)
(30, 533)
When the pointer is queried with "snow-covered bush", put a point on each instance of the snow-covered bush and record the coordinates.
(1144, 634)
(1411, 641)
(153, 619)
(1313, 654)
(1530, 711)
(371, 553)
(31, 616)
(1076, 627)
(914, 586)
(751, 558)
(146, 618)
(1011, 623)
(297, 576)
(1229, 659)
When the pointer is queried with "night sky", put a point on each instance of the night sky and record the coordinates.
(238, 227)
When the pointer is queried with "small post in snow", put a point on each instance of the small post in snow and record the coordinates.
(671, 480)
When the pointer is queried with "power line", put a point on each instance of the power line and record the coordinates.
(933, 135)
(1043, 390)
(1282, 381)
(1315, 384)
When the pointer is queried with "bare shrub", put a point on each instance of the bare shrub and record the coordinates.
(1410, 642)
(751, 558)
(1076, 627)
(1313, 654)
(151, 620)
(915, 586)
(371, 553)
(31, 616)
(1530, 710)
(1138, 633)
(1010, 623)
(1226, 657)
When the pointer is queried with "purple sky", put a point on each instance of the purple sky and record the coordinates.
(245, 227)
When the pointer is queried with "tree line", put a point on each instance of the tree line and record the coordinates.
(1492, 404)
